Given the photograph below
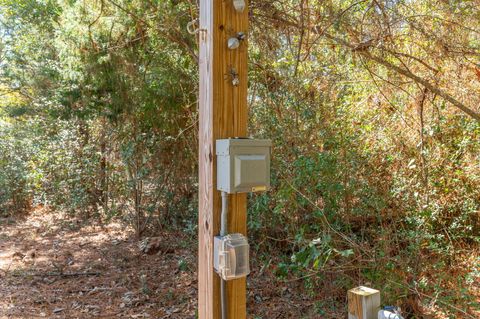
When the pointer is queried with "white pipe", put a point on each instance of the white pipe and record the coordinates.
(223, 298)
(223, 232)
(224, 215)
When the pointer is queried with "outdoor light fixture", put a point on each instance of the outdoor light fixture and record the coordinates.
(234, 42)
(239, 5)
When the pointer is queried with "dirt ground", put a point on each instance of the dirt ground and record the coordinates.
(58, 267)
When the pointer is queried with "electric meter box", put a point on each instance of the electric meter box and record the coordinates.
(243, 165)
(231, 256)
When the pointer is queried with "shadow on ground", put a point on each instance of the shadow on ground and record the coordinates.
(58, 267)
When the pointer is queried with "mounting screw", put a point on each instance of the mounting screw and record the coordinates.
(234, 75)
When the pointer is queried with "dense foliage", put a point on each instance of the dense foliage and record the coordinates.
(372, 106)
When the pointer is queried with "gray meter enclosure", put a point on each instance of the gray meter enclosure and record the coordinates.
(243, 165)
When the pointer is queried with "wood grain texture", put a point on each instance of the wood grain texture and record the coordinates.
(223, 113)
(363, 303)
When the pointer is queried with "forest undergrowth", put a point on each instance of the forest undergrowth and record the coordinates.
(56, 266)
(372, 107)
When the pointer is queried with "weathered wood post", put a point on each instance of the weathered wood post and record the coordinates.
(223, 114)
(363, 303)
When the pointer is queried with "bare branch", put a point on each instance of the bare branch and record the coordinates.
(432, 88)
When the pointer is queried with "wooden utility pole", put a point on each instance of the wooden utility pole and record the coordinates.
(223, 114)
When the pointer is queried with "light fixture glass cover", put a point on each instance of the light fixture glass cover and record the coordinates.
(231, 258)
(239, 5)
(233, 43)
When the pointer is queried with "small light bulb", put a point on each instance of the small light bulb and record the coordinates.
(233, 43)
(239, 5)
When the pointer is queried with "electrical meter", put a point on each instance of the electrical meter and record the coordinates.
(231, 256)
(243, 165)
